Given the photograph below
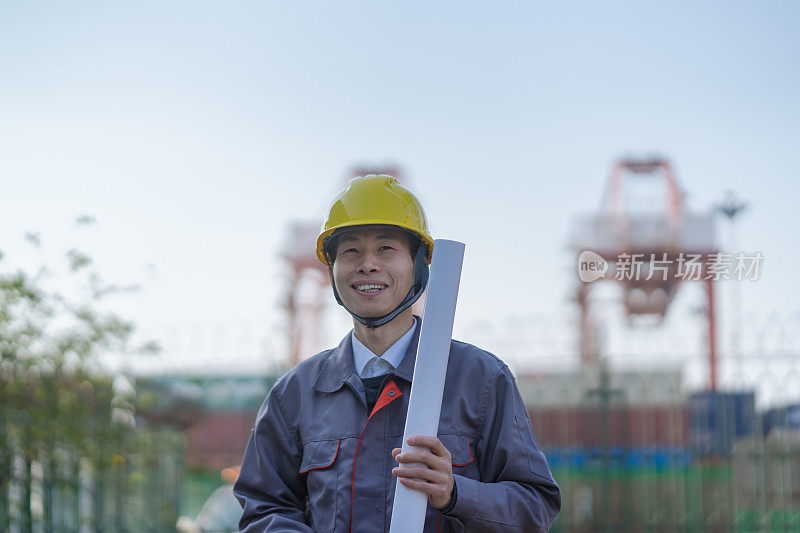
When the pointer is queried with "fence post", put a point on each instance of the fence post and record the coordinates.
(5, 473)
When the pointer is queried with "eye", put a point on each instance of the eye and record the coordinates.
(386, 247)
(348, 251)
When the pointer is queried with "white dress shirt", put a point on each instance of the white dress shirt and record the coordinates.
(369, 365)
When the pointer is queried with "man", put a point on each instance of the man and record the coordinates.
(324, 453)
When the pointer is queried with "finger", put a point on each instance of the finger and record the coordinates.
(395, 452)
(418, 472)
(426, 458)
(417, 456)
(435, 445)
(422, 486)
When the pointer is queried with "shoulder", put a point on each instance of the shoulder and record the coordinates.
(302, 376)
(476, 385)
(467, 358)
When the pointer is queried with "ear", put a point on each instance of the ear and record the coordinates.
(414, 243)
(329, 247)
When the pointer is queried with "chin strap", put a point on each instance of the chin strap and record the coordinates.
(421, 274)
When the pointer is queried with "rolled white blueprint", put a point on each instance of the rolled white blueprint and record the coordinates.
(430, 368)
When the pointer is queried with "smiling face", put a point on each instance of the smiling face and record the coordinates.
(373, 270)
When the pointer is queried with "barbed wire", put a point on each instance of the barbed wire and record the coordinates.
(530, 341)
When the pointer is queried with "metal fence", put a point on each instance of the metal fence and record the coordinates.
(634, 451)
(640, 444)
(129, 484)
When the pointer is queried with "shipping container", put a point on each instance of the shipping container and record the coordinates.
(628, 426)
(718, 418)
(597, 457)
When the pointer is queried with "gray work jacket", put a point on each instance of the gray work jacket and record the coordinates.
(318, 461)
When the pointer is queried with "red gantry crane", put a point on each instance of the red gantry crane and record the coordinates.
(651, 243)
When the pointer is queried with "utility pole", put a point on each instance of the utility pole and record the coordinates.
(605, 396)
(731, 207)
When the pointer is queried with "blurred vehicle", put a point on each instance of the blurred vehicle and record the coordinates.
(221, 511)
(785, 418)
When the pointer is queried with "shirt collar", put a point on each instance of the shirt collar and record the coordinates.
(394, 355)
(338, 366)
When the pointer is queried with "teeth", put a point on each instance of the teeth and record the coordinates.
(370, 288)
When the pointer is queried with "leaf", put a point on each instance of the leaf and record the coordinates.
(34, 238)
(78, 260)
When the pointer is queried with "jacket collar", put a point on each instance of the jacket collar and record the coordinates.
(339, 367)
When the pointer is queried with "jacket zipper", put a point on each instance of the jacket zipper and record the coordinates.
(355, 459)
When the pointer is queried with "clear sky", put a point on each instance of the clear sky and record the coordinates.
(196, 131)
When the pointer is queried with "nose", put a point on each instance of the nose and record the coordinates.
(369, 263)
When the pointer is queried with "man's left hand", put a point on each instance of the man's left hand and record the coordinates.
(437, 480)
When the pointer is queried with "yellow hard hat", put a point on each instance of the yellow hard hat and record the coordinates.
(375, 199)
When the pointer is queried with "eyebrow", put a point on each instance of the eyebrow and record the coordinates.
(383, 236)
